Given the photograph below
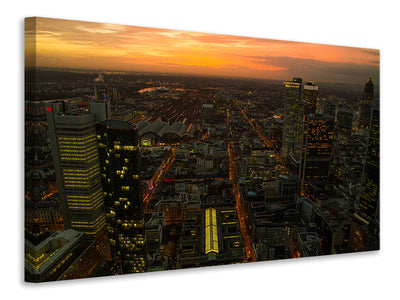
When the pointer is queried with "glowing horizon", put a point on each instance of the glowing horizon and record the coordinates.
(99, 46)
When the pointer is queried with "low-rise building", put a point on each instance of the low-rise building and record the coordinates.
(68, 254)
(210, 237)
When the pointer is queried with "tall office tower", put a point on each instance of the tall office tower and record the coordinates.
(310, 97)
(316, 148)
(366, 105)
(76, 159)
(368, 209)
(42, 205)
(120, 171)
(294, 110)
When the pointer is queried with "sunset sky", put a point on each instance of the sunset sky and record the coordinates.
(99, 46)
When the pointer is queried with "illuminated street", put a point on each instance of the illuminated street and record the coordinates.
(261, 135)
(251, 257)
(159, 179)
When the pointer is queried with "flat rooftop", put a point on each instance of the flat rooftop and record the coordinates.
(117, 124)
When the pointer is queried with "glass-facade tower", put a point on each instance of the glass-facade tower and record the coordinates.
(310, 93)
(316, 148)
(120, 171)
(294, 111)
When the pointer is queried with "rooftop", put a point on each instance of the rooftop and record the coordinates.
(117, 124)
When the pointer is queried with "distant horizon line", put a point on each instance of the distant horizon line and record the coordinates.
(133, 72)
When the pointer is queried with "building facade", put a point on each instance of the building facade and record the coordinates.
(76, 160)
(68, 254)
(120, 172)
(366, 105)
(316, 148)
(294, 111)
(210, 237)
(310, 93)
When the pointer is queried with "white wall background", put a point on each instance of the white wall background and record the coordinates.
(369, 24)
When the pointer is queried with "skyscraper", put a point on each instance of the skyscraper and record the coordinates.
(310, 97)
(368, 209)
(76, 160)
(366, 105)
(294, 110)
(316, 148)
(120, 171)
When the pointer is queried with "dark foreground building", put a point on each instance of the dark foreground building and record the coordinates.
(316, 148)
(68, 254)
(123, 200)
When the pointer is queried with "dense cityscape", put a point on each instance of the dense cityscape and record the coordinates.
(139, 172)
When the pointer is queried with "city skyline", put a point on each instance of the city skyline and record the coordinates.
(131, 172)
(98, 46)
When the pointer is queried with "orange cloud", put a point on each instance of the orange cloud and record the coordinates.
(76, 44)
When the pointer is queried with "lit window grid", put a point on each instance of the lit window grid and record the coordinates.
(118, 158)
(90, 227)
(81, 176)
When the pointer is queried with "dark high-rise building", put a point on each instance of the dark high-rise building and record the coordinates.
(76, 160)
(316, 148)
(366, 105)
(120, 171)
(310, 97)
(294, 110)
(368, 209)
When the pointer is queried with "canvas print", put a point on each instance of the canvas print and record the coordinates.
(150, 149)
